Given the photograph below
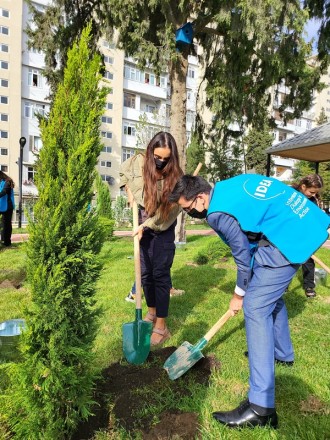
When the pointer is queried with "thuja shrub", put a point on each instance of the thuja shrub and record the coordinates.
(52, 387)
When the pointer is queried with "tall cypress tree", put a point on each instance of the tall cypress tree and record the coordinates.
(53, 385)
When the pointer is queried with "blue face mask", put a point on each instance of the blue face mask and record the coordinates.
(160, 164)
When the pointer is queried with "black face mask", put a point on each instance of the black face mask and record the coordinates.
(197, 214)
(160, 164)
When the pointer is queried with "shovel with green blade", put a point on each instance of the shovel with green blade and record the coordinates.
(137, 334)
(187, 355)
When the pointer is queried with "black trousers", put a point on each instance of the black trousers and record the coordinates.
(157, 251)
(308, 270)
(7, 228)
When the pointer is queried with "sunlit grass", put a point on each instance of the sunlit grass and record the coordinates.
(302, 392)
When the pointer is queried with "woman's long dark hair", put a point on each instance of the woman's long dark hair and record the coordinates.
(171, 174)
(4, 176)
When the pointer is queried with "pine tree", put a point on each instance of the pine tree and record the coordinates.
(103, 198)
(322, 118)
(53, 385)
(256, 142)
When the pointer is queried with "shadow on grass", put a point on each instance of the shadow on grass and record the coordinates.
(301, 413)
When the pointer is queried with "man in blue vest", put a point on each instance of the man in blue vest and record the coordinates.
(264, 222)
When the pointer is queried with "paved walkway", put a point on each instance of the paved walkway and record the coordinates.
(24, 237)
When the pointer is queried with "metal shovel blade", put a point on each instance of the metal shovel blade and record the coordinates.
(183, 359)
(136, 339)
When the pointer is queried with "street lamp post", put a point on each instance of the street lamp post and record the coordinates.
(22, 142)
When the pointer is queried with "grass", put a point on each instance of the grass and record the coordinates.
(302, 392)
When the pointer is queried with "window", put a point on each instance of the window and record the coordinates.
(168, 111)
(4, 13)
(35, 143)
(105, 43)
(105, 163)
(162, 81)
(129, 129)
(191, 73)
(106, 119)
(127, 153)
(133, 73)
(129, 100)
(4, 151)
(108, 75)
(4, 30)
(4, 117)
(34, 78)
(4, 82)
(281, 136)
(150, 78)
(4, 47)
(106, 134)
(31, 110)
(108, 60)
(4, 168)
(309, 124)
(107, 149)
(3, 99)
(31, 174)
(109, 106)
(3, 134)
(149, 108)
(190, 117)
(107, 178)
(298, 122)
(4, 65)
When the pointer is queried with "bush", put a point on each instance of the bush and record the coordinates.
(201, 258)
(213, 252)
(107, 226)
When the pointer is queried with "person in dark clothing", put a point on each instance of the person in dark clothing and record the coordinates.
(310, 187)
(150, 177)
(7, 205)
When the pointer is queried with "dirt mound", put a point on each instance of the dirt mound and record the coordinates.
(128, 389)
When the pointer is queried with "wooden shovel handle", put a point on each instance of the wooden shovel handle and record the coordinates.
(217, 326)
(320, 263)
(197, 170)
(137, 263)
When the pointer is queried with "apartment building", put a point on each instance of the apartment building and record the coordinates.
(137, 106)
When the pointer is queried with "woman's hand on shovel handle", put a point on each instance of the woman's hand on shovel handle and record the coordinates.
(236, 304)
(138, 231)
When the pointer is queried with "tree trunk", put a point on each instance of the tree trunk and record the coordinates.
(178, 75)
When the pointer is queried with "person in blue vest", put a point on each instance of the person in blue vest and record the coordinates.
(7, 206)
(264, 222)
(310, 186)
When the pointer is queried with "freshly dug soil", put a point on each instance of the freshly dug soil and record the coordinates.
(124, 390)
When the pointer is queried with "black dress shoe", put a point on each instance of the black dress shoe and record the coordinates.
(277, 361)
(245, 416)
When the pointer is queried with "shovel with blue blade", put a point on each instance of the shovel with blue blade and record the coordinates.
(187, 354)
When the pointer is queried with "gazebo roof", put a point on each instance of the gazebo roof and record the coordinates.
(312, 145)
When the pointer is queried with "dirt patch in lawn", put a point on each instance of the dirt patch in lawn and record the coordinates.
(126, 392)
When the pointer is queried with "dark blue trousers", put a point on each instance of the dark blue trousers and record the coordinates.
(157, 251)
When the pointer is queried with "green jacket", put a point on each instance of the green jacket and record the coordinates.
(131, 174)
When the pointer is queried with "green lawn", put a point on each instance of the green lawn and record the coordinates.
(303, 394)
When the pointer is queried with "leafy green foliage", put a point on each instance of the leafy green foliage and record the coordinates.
(52, 388)
(213, 252)
(103, 199)
(256, 143)
(247, 47)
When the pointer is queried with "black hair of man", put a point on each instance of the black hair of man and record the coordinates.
(189, 187)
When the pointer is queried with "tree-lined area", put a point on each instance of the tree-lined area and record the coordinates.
(245, 48)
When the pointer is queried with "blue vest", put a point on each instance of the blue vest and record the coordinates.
(296, 226)
(4, 199)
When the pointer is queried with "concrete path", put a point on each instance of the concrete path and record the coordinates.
(24, 237)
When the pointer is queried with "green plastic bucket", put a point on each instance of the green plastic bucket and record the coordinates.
(9, 337)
